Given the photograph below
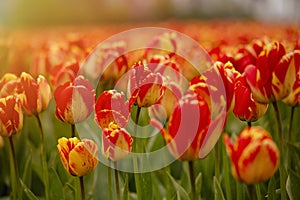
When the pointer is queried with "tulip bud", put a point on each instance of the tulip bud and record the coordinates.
(79, 157)
(254, 156)
(8, 85)
(36, 95)
(116, 142)
(74, 100)
(11, 116)
(245, 108)
(112, 107)
(144, 86)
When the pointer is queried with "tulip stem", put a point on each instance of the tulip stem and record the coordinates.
(291, 123)
(258, 192)
(249, 124)
(14, 173)
(192, 180)
(109, 182)
(44, 158)
(117, 181)
(82, 187)
(217, 162)
(282, 171)
(73, 130)
(135, 161)
(250, 191)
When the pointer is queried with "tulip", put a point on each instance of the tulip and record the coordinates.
(60, 74)
(245, 108)
(74, 100)
(36, 95)
(9, 85)
(270, 79)
(145, 87)
(112, 107)
(1, 142)
(116, 142)
(79, 157)
(254, 156)
(11, 116)
(293, 98)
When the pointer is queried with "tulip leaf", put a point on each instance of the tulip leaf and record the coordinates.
(218, 190)
(198, 185)
(143, 183)
(181, 192)
(27, 172)
(28, 192)
(272, 189)
(56, 189)
(125, 190)
(293, 185)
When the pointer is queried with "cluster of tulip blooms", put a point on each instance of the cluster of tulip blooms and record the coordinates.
(188, 108)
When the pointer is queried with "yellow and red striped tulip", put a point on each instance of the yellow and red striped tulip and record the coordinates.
(74, 100)
(79, 157)
(36, 95)
(270, 79)
(9, 85)
(145, 87)
(11, 116)
(293, 98)
(112, 107)
(60, 74)
(246, 108)
(116, 142)
(254, 155)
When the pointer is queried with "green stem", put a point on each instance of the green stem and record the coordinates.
(44, 158)
(135, 162)
(258, 192)
(117, 181)
(73, 130)
(217, 162)
(192, 180)
(82, 187)
(282, 170)
(109, 182)
(226, 174)
(249, 124)
(250, 191)
(14, 173)
(291, 123)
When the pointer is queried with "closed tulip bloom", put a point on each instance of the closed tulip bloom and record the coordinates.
(62, 73)
(145, 87)
(254, 155)
(116, 142)
(293, 99)
(246, 108)
(11, 116)
(112, 107)
(9, 85)
(79, 157)
(74, 100)
(36, 95)
(270, 78)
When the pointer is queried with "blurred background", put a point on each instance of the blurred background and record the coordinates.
(15, 13)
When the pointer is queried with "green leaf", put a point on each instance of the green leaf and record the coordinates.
(125, 190)
(181, 192)
(293, 185)
(198, 185)
(56, 189)
(28, 192)
(272, 189)
(218, 190)
(27, 173)
(143, 183)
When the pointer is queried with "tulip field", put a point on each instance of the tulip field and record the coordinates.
(166, 110)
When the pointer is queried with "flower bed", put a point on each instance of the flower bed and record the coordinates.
(196, 109)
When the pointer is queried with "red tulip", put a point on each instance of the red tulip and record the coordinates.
(11, 116)
(62, 73)
(145, 87)
(254, 156)
(74, 100)
(36, 95)
(270, 78)
(245, 108)
(116, 142)
(9, 85)
(112, 107)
